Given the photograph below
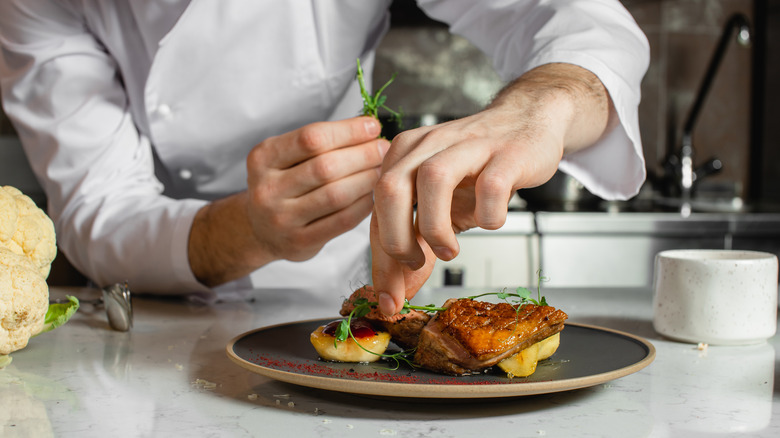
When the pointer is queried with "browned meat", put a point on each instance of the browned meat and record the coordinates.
(404, 329)
(473, 335)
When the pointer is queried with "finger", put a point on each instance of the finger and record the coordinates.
(394, 211)
(335, 196)
(395, 194)
(337, 164)
(494, 188)
(316, 234)
(437, 180)
(386, 273)
(414, 279)
(314, 139)
(404, 146)
(393, 281)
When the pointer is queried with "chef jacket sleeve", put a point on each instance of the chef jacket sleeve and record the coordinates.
(62, 92)
(598, 35)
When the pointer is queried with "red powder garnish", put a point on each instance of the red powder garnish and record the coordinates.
(324, 369)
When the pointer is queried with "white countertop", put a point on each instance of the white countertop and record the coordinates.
(86, 380)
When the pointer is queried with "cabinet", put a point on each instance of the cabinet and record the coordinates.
(618, 250)
(508, 257)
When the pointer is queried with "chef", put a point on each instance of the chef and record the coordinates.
(203, 147)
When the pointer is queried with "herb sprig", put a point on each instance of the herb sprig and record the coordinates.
(363, 306)
(521, 295)
(372, 103)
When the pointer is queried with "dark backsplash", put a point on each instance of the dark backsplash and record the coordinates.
(765, 168)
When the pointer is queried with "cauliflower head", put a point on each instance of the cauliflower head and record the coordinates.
(24, 300)
(26, 230)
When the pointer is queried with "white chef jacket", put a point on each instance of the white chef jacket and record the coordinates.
(134, 114)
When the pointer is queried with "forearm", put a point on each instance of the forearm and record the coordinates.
(222, 246)
(566, 95)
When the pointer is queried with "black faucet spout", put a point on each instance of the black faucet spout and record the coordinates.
(737, 23)
(681, 165)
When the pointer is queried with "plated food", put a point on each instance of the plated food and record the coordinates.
(463, 336)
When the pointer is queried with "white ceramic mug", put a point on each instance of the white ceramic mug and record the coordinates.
(718, 297)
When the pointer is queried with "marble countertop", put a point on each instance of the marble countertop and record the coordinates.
(170, 376)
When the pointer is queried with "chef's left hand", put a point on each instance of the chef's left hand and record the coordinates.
(461, 174)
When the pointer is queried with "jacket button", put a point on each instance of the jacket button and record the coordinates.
(185, 174)
(164, 110)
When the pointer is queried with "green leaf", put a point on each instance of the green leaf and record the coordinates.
(58, 314)
(523, 293)
(362, 311)
(342, 333)
(382, 88)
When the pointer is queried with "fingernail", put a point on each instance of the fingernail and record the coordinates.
(443, 252)
(371, 126)
(386, 304)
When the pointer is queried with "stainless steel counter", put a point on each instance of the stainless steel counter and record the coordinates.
(170, 376)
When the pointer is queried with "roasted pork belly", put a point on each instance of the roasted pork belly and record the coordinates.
(470, 335)
(404, 329)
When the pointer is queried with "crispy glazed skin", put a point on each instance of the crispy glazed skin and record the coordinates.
(473, 335)
(404, 329)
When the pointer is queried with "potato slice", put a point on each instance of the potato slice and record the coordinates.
(523, 364)
(348, 350)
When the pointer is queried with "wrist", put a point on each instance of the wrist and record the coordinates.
(570, 99)
(222, 245)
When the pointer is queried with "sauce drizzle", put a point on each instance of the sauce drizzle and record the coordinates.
(360, 328)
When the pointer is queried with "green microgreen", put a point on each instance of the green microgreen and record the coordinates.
(373, 103)
(521, 296)
(430, 308)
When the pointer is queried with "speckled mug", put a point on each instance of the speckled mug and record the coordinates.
(718, 297)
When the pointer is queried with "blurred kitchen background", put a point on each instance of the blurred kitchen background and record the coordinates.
(579, 240)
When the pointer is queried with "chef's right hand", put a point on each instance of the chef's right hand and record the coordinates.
(305, 187)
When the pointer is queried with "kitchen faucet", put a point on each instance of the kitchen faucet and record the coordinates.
(679, 170)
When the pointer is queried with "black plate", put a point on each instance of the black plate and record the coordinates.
(587, 356)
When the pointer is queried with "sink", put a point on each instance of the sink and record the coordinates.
(565, 194)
